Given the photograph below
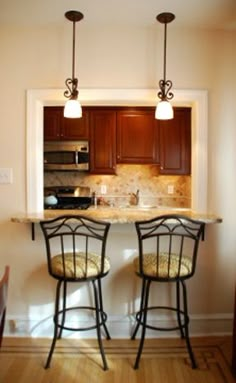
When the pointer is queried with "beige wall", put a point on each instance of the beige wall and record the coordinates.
(118, 58)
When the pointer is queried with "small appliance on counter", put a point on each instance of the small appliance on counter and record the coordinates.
(67, 197)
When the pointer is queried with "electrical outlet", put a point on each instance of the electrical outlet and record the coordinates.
(170, 189)
(103, 189)
(6, 176)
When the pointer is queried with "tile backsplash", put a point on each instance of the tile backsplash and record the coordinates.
(153, 188)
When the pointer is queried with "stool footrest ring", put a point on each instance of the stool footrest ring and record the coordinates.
(103, 317)
(139, 316)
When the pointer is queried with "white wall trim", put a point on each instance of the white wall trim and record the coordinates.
(121, 326)
(37, 98)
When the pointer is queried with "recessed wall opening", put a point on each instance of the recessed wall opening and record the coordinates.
(37, 99)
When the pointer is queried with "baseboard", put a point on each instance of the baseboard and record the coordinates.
(121, 326)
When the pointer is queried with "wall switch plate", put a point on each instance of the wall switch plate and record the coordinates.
(170, 189)
(103, 189)
(6, 176)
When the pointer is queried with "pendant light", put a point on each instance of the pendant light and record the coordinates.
(164, 110)
(72, 107)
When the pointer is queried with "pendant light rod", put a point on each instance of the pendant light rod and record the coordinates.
(72, 83)
(73, 52)
(165, 85)
(164, 65)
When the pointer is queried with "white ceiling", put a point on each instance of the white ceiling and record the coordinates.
(213, 14)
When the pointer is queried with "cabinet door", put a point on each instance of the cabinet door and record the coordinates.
(137, 136)
(102, 141)
(57, 127)
(76, 128)
(53, 123)
(175, 143)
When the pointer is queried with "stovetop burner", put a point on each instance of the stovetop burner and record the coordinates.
(70, 203)
(67, 207)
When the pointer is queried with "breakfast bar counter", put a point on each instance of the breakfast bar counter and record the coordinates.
(119, 215)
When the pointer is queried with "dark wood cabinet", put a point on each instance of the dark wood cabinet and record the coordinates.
(57, 127)
(53, 123)
(126, 135)
(137, 136)
(102, 141)
(175, 143)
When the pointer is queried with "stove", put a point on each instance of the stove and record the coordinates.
(70, 197)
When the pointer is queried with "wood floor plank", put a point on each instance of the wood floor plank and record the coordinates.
(163, 361)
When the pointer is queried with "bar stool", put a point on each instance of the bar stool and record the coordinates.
(168, 247)
(75, 247)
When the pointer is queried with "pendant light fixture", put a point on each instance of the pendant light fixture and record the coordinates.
(164, 110)
(72, 107)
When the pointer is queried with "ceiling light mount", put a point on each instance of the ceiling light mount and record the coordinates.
(164, 109)
(74, 16)
(73, 108)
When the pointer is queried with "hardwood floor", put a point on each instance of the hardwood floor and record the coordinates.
(163, 361)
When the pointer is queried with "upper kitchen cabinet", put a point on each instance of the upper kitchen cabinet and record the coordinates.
(57, 127)
(175, 143)
(102, 141)
(137, 136)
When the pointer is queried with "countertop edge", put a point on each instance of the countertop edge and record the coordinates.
(116, 215)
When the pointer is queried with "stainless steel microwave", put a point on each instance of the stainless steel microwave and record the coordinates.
(66, 155)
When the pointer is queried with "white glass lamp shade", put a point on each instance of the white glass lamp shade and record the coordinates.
(72, 109)
(164, 111)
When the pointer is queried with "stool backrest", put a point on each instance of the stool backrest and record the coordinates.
(171, 241)
(75, 235)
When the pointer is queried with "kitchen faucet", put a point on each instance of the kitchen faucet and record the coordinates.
(134, 198)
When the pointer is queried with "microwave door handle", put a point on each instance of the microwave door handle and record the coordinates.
(76, 157)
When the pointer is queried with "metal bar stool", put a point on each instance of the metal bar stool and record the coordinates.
(168, 247)
(75, 247)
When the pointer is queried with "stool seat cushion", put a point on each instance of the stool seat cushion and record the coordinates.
(157, 266)
(79, 266)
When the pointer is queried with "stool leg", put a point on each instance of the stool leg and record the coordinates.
(186, 322)
(47, 365)
(178, 309)
(140, 309)
(63, 309)
(101, 308)
(96, 300)
(144, 321)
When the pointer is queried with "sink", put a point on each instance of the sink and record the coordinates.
(147, 207)
(138, 207)
(180, 208)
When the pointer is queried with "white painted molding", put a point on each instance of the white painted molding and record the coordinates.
(37, 98)
(120, 326)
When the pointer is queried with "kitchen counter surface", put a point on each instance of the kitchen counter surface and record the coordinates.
(119, 215)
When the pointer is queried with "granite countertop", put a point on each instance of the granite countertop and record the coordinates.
(118, 215)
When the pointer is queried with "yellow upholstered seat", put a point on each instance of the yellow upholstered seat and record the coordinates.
(164, 265)
(78, 266)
